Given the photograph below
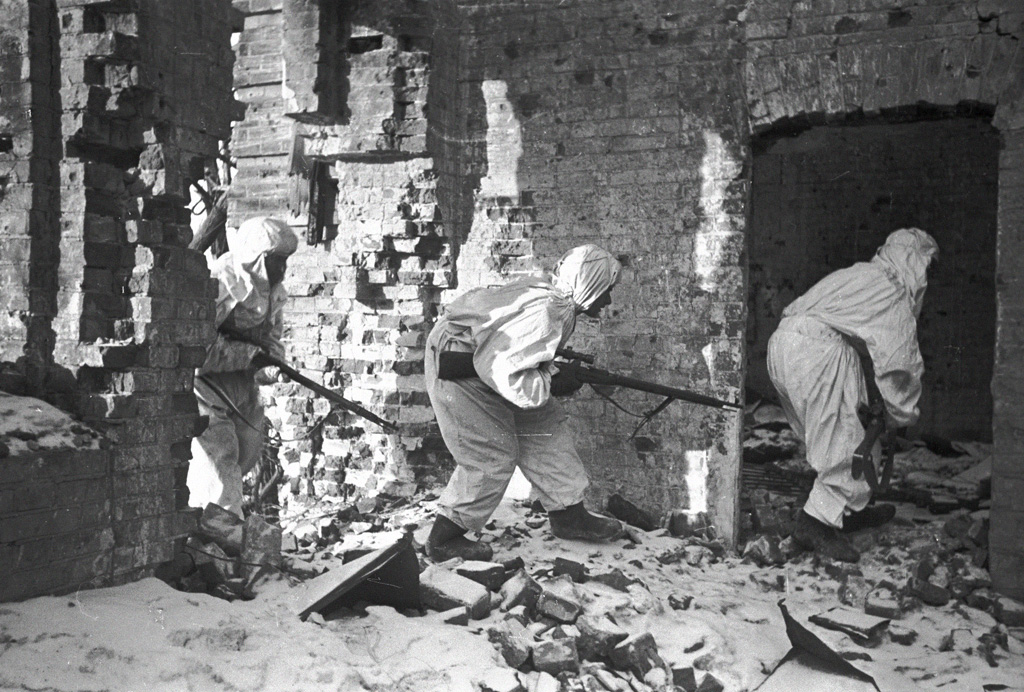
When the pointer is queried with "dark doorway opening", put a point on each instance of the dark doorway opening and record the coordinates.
(828, 196)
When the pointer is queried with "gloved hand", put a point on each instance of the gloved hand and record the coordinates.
(564, 382)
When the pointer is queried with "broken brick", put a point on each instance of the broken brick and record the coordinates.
(902, 635)
(442, 589)
(555, 656)
(1010, 612)
(558, 599)
(512, 641)
(489, 574)
(928, 592)
(598, 636)
(637, 654)
(614, 578)
(884, 604)
(520, 589)
(575, 570)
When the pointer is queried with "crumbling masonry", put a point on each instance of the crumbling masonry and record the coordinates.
(424, 148)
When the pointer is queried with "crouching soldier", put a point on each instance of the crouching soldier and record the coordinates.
(250, 303)
(820, 359)
(504, 414)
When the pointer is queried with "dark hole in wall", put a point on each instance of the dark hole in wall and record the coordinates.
(365, 44)
(6, 143)
(828, 197)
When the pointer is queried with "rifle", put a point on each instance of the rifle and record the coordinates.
(456, 366)
(263, 359)
(873, 417)
(596, 376)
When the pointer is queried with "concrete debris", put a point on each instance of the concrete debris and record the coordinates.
(598, 636)
(456, 616)
(512, 640)
(930, 593)
(442, 589)
(576, 571)
(764, 551)
(637, 654)
(556, 656)
(678, 602)
(491, 575)
(1009, 612)
(864, 629)
(902, 635)
(261, 545)
(559, 600)
(615, 578)
(883, 603)
(520, 589)
(224, 528)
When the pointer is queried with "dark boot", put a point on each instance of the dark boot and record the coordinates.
(811, 534)
(576, 523)
(868, 518)
(447, 540)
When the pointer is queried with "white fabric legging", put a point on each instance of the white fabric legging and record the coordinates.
(489, 437)
(228, 448)
(821, 384)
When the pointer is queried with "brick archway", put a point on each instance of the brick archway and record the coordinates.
(815, 68)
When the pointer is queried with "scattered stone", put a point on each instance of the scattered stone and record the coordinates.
(456, 616)
(576, 571)
(978, 533)
(930, 593)
(261, 545)
(513, 565)
(634, 535)
(512, 640)
(679, 602)
(441, 589)
(518, 613)
(902, 635)
(790, 548)
(684, 524)
(696, 554)
(710, 684)
(637, 654)
(958, 524)
(942, 504)
(940, 576)
(501, 680)
(764, 551)
(223, 528)
(864, 629)
(538, 628)
(558, 599)
(883, 603)
(565, 632)
(212, 562)
(854, 591)
(958, 640)
(299, 567)
(520, 589)
(598, 636)
(671, 556)
(982, 599)
(685, 678)
(535, 522)
(591, 683)
(624, 510)
(555, 656)
(1009, 612)
(489, 574)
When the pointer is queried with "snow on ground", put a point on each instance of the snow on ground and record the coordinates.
(146, 636)
(28, 425)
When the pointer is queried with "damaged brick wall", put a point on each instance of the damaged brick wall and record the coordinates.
(810, 63)
(828, 197)
(144, 97)
(364, 287)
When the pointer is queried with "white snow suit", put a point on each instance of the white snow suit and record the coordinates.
(870, 308)
(231, 444)
(507, 417)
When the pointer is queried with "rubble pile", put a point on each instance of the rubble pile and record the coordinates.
(555, 627)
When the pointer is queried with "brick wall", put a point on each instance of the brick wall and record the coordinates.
(363, 296)
(124, 317)
(829, 197)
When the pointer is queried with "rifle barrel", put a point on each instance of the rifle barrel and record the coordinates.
(598, 376)
(323, 391)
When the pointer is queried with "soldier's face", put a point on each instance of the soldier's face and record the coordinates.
(603, 301)
(276, 266)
